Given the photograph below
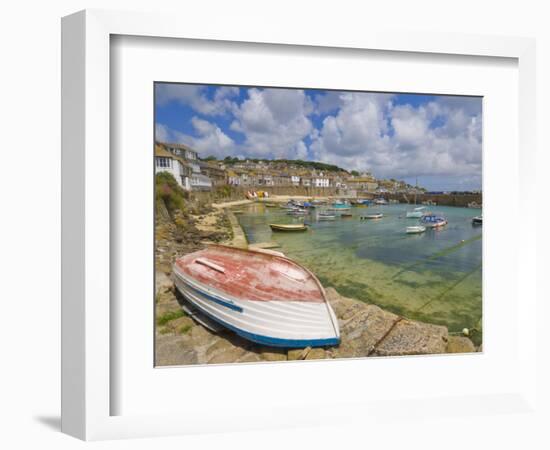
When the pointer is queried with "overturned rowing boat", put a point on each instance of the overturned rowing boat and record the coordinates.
(265, 298)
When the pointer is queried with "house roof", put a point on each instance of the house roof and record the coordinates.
(175, 145)
(161, 151)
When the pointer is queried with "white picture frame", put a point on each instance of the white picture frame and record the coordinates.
(87, 355)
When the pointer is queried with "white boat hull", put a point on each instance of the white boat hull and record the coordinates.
(416, 230)
(273, 323)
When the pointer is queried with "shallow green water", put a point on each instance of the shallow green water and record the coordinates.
(435, 277)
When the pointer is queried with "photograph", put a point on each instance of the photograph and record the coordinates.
(294, 223)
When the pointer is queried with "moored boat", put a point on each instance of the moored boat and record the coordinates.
(288, 227)
(326, 216)
(372, 216)
(346, 215)
(433, 221)
(298, 212)
(339, 207)
(415, 229)
(416, 213)
(478, 220)
(262, 297)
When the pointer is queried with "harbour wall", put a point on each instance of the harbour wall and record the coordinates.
(440, 199)
(223, 194)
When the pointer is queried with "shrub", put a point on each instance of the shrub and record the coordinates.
(168, 190)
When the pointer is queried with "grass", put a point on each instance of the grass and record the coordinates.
(168, 316)
(185, 329)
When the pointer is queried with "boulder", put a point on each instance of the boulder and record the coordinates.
(272, 354)
(413, 338)
(222, 352)
(460, 344)
(316, 353)
(172, 350)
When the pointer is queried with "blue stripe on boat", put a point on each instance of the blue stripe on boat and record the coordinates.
(268, 340)
(213, 298)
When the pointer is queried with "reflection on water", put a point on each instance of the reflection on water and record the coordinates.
(435, 277)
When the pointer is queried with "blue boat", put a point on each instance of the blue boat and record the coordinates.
(433, 221)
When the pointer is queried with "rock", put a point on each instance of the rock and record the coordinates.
(249, 357)
(171, 350)
(413, 338)
(201, 337)
(272, 354)
(162, 281)
(460, 344)
(316, 353)
(298, 353)
(223, 352)
(181, 325)
(163, 308)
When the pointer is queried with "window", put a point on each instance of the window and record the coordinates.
(164, 162)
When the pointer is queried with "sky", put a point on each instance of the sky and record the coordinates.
(434, 138)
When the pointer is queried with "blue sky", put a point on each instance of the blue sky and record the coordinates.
(404, 136)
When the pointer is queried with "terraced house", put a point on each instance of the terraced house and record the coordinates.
(184, 165)
(176, 166)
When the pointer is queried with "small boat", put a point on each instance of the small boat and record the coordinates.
(288, 227)
(361, 202)
(262, 297)
(416, 213)
(339, 207)
(346, 215)
(380, 201)
(372, 216)
(270, 205)
(474, 205)
(298, 212)
(415, 229)
(433, 221)
(326, 216)
(478, 220)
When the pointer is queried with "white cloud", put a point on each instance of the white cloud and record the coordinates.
(210, 139)
(365, 131)
(274, 122)
(368, 132)
(195, 97)
(162, 133)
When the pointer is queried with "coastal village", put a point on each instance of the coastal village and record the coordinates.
(194, 173)
(200, 211)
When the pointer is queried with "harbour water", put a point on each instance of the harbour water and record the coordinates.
(433, 277)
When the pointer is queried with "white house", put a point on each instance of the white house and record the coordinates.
(320, 182)
(182, 150)
(295, 180)
(200, 182)
(167, 162)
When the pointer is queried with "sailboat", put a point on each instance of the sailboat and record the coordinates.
(416, 213)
